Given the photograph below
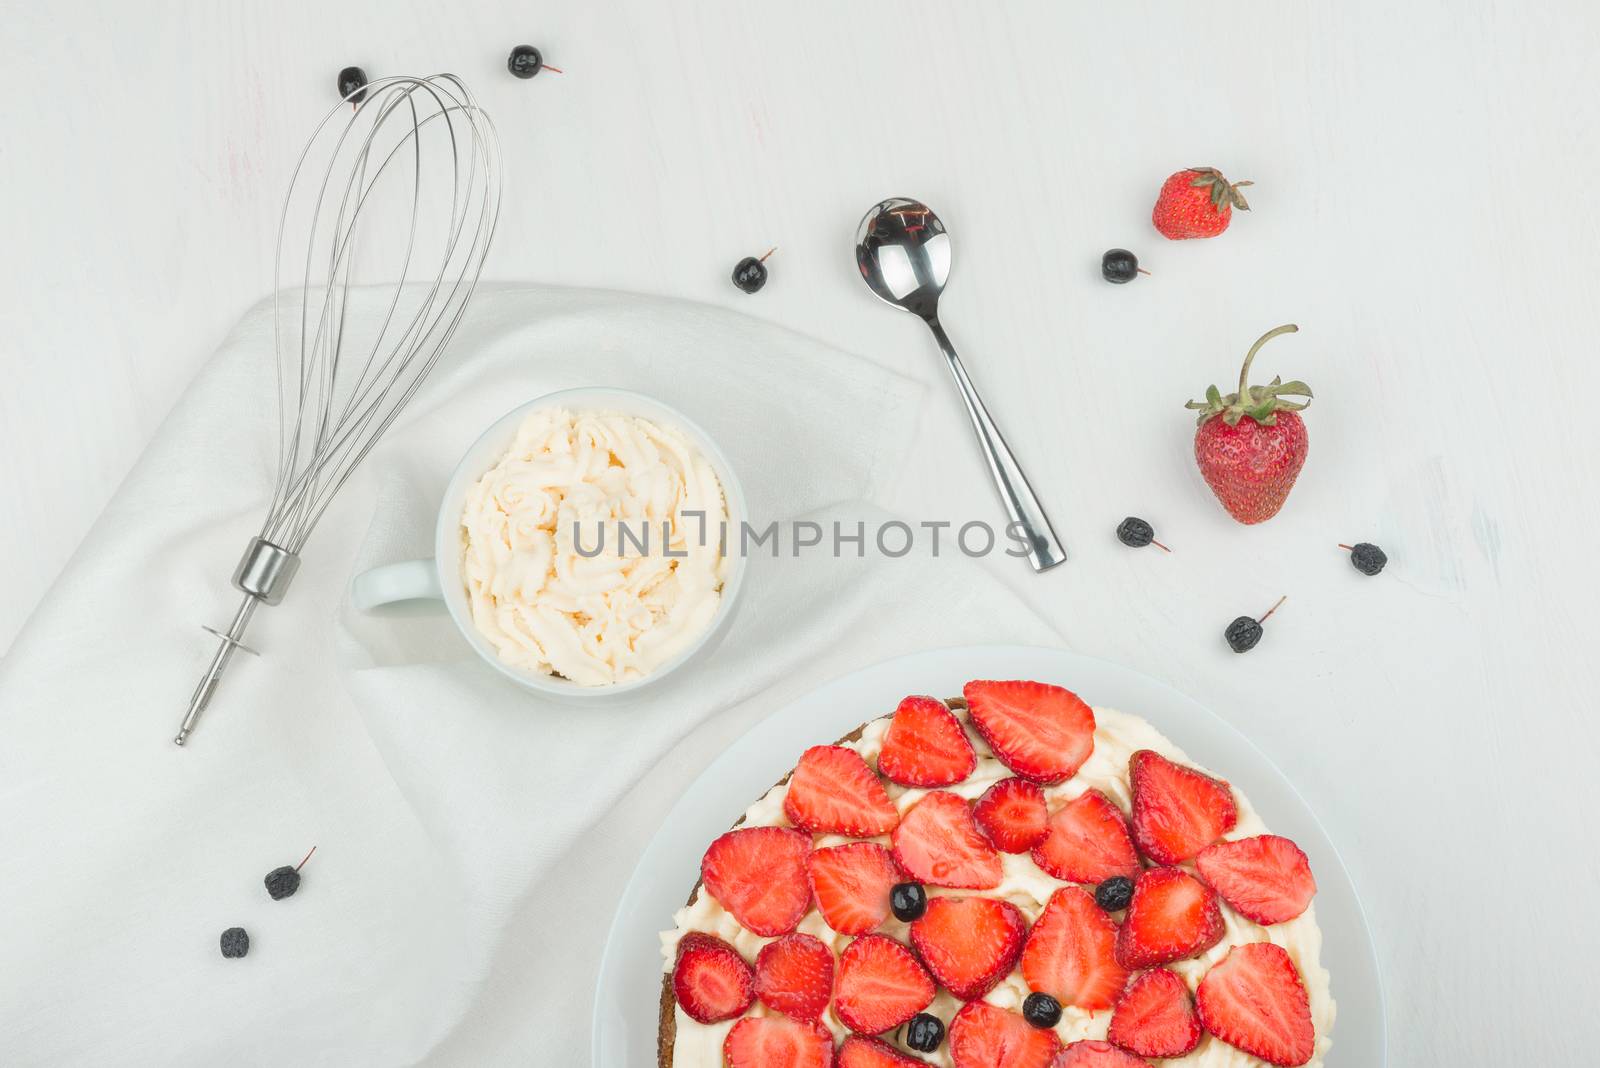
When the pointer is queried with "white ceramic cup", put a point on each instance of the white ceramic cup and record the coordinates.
(439, 578)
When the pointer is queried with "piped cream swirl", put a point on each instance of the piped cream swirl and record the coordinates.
(581, 551)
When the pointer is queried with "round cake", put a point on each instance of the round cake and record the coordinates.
(1011, 879)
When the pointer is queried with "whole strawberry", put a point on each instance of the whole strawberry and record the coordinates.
(1197, 202)
(1251, 444)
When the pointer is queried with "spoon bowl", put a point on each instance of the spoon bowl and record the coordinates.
(903, 253)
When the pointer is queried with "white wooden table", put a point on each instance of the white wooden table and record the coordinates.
(1425, 209)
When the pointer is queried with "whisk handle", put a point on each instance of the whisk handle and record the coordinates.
(263, 576)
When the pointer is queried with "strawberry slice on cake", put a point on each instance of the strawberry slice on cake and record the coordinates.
(1039, 731)
(759, 875)
(777, 1042)
(1155, 1016)
(710, 980)
(1071, 953)
(969, 943)
(938, 842)
(1177, 811)
(1254, 1000)
(986, 1036)
(881, 985)
(851, 885)
(1173, 916)
(832, 791)
(925, 746)
(861, 1052)
(794, 976)
(1087, 841)
(1266, 878)
(1012, 814)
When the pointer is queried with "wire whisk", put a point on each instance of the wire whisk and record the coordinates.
(417, 167)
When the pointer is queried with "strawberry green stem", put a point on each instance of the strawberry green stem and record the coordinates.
(1244, 372)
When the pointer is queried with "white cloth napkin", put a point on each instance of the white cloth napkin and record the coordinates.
(472, 841)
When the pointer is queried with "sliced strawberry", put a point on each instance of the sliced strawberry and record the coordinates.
(759, 875)
(881, 985)
(1012, 813)
(832, 791)
(986, 1036)
(969, 943)
(1266, 878)
(1087, 842)
(939, 843)
(1072, 952)
(851, 884)
(1253, 1000)
(794, 976)
(710, 980)
(1177, 811)
(1091, 1054)
(1173, 916)
(777, 1042)
(1041, 732)
(925, 746)
(1155, 1016)
(859, 1052)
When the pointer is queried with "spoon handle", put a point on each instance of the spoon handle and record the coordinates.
(1027, 514)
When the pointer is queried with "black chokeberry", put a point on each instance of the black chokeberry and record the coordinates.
(1137, 533)
(235, 942)
(924, 1032)
(1120, 266)
(353, 84)
(1243, 633)
(909, 901)
(1114, 894)
(525, 61)
(282, 882)
(1041, 1010)
(1366, 557)
(751, 273)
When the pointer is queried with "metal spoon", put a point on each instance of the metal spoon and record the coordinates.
(904, 256)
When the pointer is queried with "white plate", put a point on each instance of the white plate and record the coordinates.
(628, 995)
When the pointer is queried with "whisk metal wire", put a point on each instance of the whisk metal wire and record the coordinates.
(340, 413)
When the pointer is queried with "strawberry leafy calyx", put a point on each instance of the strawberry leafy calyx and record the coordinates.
(1261, 403)
(1223, 192)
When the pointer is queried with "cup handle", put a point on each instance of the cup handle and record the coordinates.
(408, 580)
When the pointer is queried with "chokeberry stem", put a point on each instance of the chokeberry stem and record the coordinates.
(1244, 372)
(1347, 548)
(767, 253)
(1158, 545)
(305, 858)
(1274, 608)
(1141, 270)
(554, 70)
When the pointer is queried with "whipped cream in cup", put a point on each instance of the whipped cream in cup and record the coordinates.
(519, 559)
